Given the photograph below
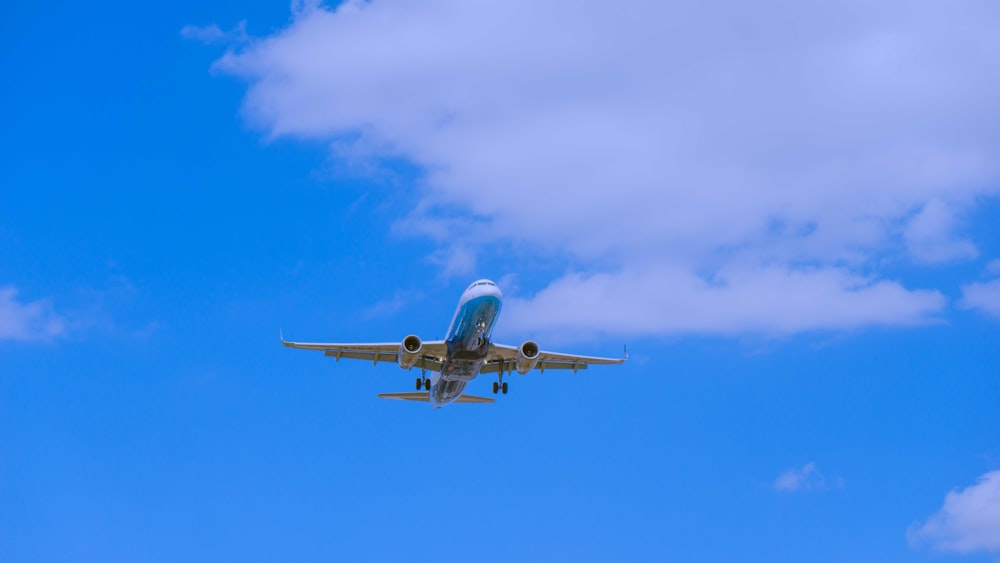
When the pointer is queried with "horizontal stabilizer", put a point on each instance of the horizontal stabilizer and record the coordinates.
(473, 399)
(411, 396)
(425, 397)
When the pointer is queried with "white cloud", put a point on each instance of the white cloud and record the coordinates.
(748, 168)
(968, 522)
(769, 300)
(27, 321)
(983, 296)
(808, 478)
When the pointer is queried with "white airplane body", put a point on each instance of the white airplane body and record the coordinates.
(466, 352)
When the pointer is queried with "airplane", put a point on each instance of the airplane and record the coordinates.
(465, 352)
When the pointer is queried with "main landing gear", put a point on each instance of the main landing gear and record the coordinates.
(500, 386)
(423, 381)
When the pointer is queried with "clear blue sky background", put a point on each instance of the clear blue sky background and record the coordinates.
(170, 239)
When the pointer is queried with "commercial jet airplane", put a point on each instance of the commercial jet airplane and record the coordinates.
(465, 352)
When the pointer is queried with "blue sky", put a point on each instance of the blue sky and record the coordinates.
(788, 214)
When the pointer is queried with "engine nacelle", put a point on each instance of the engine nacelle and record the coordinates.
(409, 351)
(527, 357)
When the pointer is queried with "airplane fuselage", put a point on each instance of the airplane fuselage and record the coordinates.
(468, 340)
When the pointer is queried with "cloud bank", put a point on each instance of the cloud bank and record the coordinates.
(31, 321)
(704, 166)
(968, 522)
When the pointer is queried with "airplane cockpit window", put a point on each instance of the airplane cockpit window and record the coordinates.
(481, 282)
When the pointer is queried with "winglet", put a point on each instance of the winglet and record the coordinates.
(281, 335)
(626, 353)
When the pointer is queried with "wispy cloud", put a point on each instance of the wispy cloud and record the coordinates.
(969, 520)
(28, 320)
(807, 478)
(664, 149)
(388, 307)
(983, 296)
(930, 236)
(213, 34)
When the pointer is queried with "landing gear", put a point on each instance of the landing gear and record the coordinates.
(423, 382)
(500, 385)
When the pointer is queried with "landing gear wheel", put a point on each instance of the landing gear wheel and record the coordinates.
(503, 388)
(496, 387)
(420, 383)
(427, 384)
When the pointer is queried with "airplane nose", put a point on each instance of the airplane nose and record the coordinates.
(484, 288)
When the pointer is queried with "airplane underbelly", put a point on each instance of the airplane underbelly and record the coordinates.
(461, 370)
(446, 391)
(455, 373)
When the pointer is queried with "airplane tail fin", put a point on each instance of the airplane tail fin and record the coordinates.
(425, 397)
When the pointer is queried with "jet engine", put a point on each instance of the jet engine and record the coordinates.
(409, 351)
(527, 357)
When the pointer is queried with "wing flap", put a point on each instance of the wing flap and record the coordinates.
(373, 356)
(509, 366)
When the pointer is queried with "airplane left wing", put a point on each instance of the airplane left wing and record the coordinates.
(432, 354)
(504, 358)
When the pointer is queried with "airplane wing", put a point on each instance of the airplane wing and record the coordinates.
(504, 358)
(432, 354)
